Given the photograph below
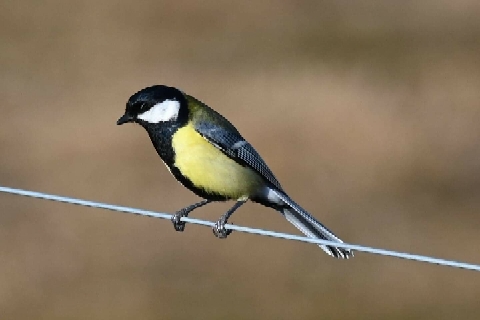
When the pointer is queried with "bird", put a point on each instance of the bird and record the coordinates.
(208, 155)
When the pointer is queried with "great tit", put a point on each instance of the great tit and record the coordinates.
(207, 154)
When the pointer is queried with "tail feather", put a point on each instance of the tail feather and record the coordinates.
(312, 228)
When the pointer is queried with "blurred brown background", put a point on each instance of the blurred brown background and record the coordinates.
(368, 113)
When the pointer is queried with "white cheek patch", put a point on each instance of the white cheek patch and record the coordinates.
(163, 111)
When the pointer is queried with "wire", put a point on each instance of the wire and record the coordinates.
(383, 252)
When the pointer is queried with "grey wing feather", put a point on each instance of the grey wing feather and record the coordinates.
(230, 142)
(223, 135)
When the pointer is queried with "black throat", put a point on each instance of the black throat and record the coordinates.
(161, 137)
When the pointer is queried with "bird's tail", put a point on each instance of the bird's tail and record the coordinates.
(312, 228)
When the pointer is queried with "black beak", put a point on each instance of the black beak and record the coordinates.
(124, 119)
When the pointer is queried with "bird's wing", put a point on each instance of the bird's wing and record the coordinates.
(223, 135)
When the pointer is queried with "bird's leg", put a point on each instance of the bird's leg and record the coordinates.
(180, 225)
(219, 228)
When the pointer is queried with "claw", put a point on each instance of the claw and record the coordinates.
(177, 223)
(219, 230)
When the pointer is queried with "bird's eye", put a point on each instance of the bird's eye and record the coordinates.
(140, 107)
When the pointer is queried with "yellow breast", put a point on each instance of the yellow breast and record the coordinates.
(208, 168)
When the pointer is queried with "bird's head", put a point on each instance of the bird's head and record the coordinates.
(154, 105)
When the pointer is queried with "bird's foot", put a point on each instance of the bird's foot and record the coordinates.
(177, 223)
(219, 230)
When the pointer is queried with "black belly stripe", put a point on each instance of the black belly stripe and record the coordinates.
(161, 137)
